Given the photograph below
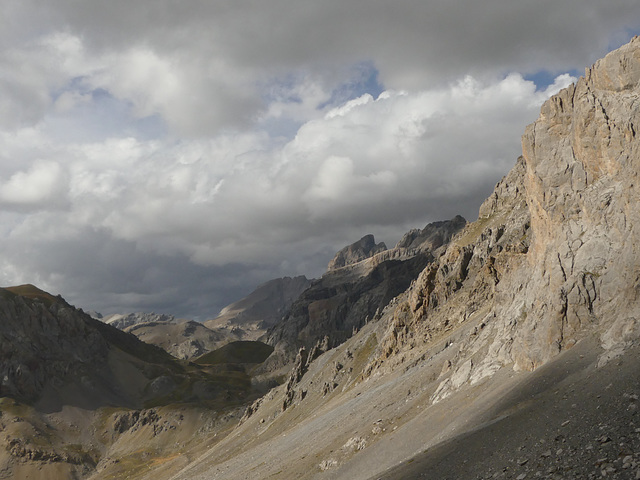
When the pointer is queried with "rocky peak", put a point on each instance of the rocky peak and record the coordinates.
(122, 321)
(251, 316)
(433, 236)
(364, 248)
(553, 257)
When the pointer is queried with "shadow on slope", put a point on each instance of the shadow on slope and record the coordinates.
(565, 420)
(239, 352)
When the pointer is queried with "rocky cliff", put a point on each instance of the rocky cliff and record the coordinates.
(364, 248)
(514, 352)
(348, 297)
(554, 255)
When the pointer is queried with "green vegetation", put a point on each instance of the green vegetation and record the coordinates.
(34, 293)
(361, 356)
(473, 230)
(13, 407)
(237, 352)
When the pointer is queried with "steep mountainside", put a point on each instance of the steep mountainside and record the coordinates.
(73, 387)
(554, 255)
(513, 354)
(346, 298)
(250, 317)
(54, 354)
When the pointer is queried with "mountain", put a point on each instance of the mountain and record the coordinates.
(348, 297)
(185, 340)
(250, 317)
(123, 321)
(182, 338)
(76, 391)
(508, 347)
(364, 248)
(513, 354)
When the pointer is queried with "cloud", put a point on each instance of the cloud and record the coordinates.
(153, 153)
(380, 165)
(41, 186)
(208, 67)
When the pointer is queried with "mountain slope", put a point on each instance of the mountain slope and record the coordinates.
(122, 321)
(346, 298)
(250, 317)
(184, 340)
(75, 390)
(532, 310)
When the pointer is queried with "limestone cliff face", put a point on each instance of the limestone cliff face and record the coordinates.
(554, 254)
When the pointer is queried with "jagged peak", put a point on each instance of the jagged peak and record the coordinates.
(619, 70)
(364, 248)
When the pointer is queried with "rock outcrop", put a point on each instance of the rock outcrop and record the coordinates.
(431, 237)
(346, 298)
(364, 248)
(553, 256)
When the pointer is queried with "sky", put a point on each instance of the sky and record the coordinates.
(170, 156)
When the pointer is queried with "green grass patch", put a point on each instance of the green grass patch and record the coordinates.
(33, 293)
(362, 355)
(237, 352)
(473, 230)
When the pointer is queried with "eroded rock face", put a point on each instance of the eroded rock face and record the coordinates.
(554, 253)
(346, 298)
(364, 248)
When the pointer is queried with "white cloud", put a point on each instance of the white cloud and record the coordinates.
(365, 163)
(41, 186)
(145, 147)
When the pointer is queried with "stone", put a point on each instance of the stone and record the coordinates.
(364, 248)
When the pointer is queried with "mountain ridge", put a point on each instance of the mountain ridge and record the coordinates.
(509, 350)
(544, 285)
